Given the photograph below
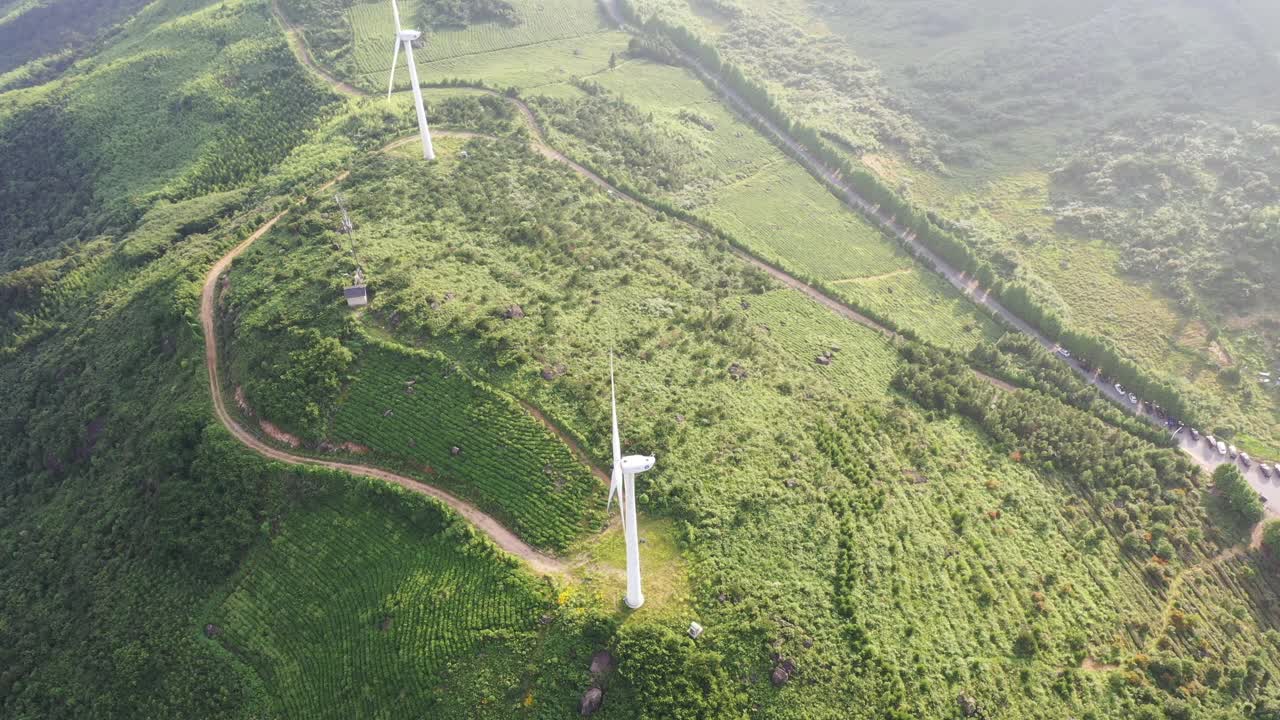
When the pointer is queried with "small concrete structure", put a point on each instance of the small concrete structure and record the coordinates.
(694, 630)
(357, 295)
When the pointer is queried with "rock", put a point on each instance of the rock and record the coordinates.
(746, 305)
(780, 676)
(591, 701)
(679, 419)
(737, 372)
(515, 312)
(823, 360)
(455, 451)
(968, 706)
(602, 662)
(790, 482)
(388, 413)
(695, 630)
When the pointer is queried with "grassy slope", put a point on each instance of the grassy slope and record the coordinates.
(963, 72)
(195, 98)
(739, 465)
(553, 41)
(750, 189)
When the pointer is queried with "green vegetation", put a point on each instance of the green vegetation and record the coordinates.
(864, 526)
(378, 604)
(460, 35)
(698, 158)
(1236, 495)
(48, 36)
(1174, 182)
(222, 102)
(417, 408)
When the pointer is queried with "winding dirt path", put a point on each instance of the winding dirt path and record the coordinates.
(501, 536)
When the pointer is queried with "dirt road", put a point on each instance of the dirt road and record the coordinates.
(501, 536)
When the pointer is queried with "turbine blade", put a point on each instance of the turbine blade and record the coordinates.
(615, 480)
(395, 10)
(395, 58)
(615, 488)
(613, 404)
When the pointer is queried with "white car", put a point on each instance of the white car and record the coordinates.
(1222, 448)
(1119, 388)
(1233, 451)
(1133, 399)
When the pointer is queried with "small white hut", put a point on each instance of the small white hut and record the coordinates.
(357, 295)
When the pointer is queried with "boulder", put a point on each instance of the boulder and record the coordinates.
(515, 312)
(968, 706)
(455, 451)
(737, 372)
(602, 662)
(782, 673)
(591, 701)
(823, 360)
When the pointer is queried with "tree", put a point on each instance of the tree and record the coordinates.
(1238, 497)
(1271, 541)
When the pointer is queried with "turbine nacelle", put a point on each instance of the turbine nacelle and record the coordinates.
(408, 35)
(633, 464)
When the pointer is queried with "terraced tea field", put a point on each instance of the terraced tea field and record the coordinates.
(360, 608)
(418, 411)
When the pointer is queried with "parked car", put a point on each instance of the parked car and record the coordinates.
(1195, 435)
(1245, 459)
(1213, 442)
(1232, 451)
(1133, 399)
(1266, 470)
(1222, 448)
(1119, 388)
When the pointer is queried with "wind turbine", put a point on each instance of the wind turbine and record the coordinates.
(406, 38)
(623, 482)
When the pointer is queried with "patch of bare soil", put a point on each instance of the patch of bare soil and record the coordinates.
(242, 402)
(279, 435)
(881, 165)
(1093, 665)
(1220, 356)
(354, 448)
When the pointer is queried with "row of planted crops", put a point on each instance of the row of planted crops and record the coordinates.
(364, 608)
(419, 412)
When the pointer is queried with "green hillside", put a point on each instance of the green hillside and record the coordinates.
(877, 500)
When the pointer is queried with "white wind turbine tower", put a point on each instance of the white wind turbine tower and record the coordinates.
(406, 38)
(623, 482)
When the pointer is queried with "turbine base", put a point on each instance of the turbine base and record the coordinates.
(627, 600)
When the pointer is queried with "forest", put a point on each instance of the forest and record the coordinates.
(875, 497)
